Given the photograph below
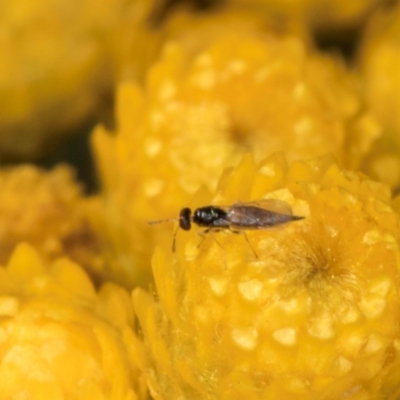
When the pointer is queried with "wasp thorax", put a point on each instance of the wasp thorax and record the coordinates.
(206, 216)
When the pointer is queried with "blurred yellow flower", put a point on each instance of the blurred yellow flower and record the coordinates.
(138, 40)
(199, 114)
(55, 68)
(149, 25)
(379, 63)
(48, 210)
(313, 315)
(59, 337)
(335, 16)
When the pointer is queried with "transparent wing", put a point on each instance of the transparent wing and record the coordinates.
(274, 205)
(260, 215)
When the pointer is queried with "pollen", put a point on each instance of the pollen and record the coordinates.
(268, 170)
(251, 290)
(285, 336)
(290, 306)
(152, 147)
(304, 126)
(353, 343)
(299, 91)
(205, 79)
(245, 338)
(322, 328)
(167, 90)
(23, 358)
(374, 344)
(349, 315)
(237, 66)
(9, 306)
(153, 187)
(374, 236)
(204, 60)
(372, 305)
(156, 119)
(381, 287)
(218, 286)
(343, 366)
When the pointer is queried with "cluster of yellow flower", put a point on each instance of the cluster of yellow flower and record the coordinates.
(231, 105)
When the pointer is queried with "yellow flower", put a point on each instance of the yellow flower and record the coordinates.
(48, 210)
(200, 114)
(55, 69)
(139, 39)
(379, 62)
(332, 16)
(308, 310)
(59, 337)
(147, 25)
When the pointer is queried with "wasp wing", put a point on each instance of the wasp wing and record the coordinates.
(262, 214)
(275, 205)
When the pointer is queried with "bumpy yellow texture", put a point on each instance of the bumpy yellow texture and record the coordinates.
(198, 115)
(59, 337)
(55, 66)
(47, 210)
(319, 14)
(313, 316)
(379, 62)
(147, 27)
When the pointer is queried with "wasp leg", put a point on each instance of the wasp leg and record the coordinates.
(211, 231)
(203, 235)
(247, 240)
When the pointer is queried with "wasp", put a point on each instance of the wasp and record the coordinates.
(236, 218)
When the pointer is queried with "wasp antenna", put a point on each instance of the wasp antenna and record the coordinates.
(161, 221)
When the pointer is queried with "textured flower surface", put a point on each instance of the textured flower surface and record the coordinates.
(200, 114)
(308, 310)
(60, 339)
(379, 63)
(147, 28)
(48, 210)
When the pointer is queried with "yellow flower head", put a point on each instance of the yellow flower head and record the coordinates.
(149, 24)
(47, 210)
(305, 310)
(59, 337)
(379, 63)
(200, 114)
(332, 16)
(55, 66)
(139, 39)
